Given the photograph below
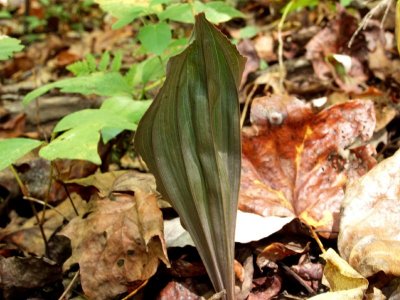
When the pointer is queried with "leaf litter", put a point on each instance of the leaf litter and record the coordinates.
(294, 139)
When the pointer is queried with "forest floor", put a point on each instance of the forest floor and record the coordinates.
(319, 196)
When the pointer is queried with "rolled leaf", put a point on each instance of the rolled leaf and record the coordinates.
(190, 140)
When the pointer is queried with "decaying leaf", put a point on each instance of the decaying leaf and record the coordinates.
(277, 251)
(323, 50)
(26, 234)
(296, 163)
(370, 224)
(118, 241)
(190, 140)
(175, 290)
(344, 282)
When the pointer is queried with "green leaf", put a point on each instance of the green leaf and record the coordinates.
(345, 3)
(13, 149)
(8, 46)
(299, 4)
(148, 70)
(79, 68)
(248, 32)
(99, 83)
(83, 134)
(127, 11)
(155, 38)
(218, 11)
(117, 62)
(91, 61)
(77, 143)
(104, 61)
(180, 12)
(126, 108)
(190, 140)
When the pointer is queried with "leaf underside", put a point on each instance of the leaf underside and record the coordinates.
(190, 140)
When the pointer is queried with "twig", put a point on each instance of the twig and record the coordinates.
(46, 205)
(134, 292)
(67, 192)
(246, 105)
(364, 22)
(298, 278)
(25, 192)
(69, 286)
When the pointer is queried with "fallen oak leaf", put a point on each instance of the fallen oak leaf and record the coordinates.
(119, 241)
(294, 162)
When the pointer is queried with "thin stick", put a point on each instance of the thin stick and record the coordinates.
(46, 205)
(368, 16)
(25, 192)
(134, 292)
(67, 192)
(69, 286)
(298, 278)
(246, 105)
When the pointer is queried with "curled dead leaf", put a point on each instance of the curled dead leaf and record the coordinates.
(369, 227)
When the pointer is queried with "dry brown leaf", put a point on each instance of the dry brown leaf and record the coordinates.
(277, 251)
(13, 127)
(333, 40)
(26, 234)
(120, 240)
(295, 162)
(369, 236)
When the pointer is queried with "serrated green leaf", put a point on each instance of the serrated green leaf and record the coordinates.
(155, 38)
(99, 83)
(190, 140)
(13, 149)
(117, 62)
(180, 12)
(91, 62)
(82, 134)
(79, 68)
(104, 61)
(8, 46)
